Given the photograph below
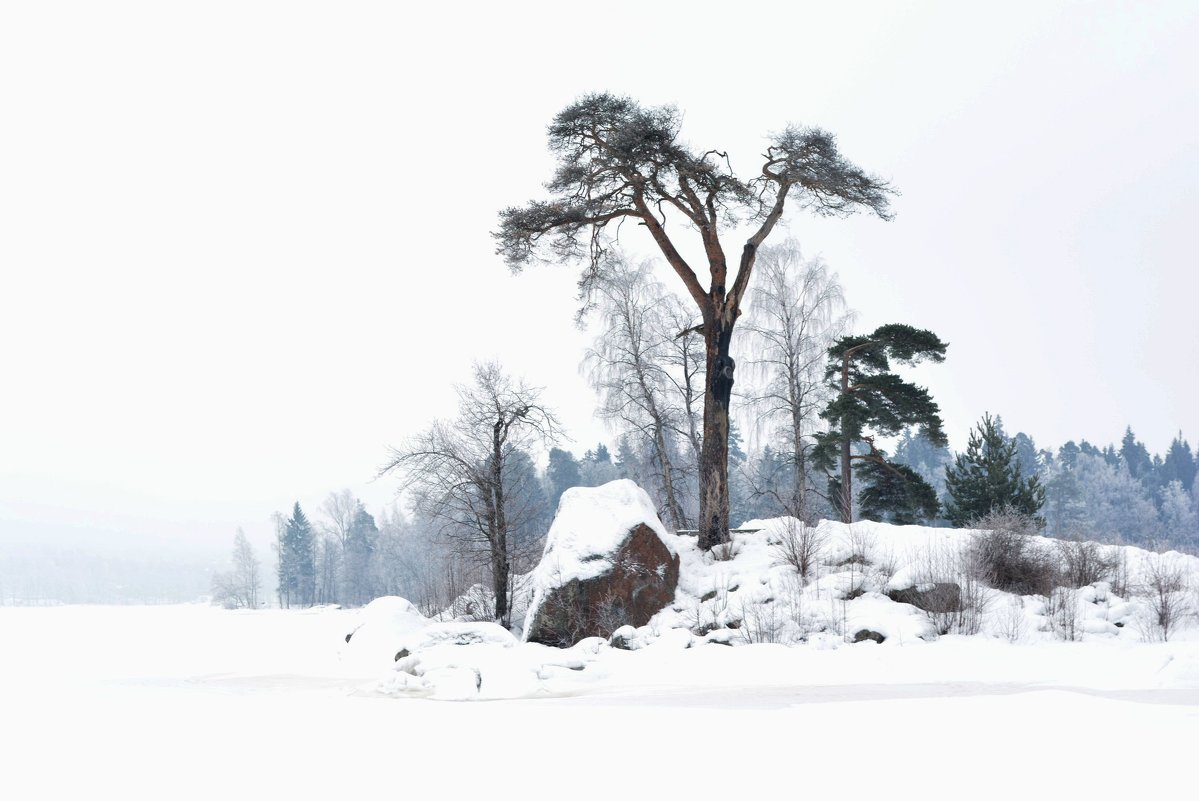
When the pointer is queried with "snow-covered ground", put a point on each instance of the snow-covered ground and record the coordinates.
(195, 702)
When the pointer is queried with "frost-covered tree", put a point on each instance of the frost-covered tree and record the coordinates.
(627, 366)
(987, 478)
(357, 557)
(596, 466)
(1116, 507)
(619, 161)
(1180, 523)
(239, 587)
(796, 311)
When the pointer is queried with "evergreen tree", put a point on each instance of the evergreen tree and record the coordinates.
(1026, 454)
(361, 541)
(869, 399)
(596, 467)
(1136, 456)
(297, 560)
(895, 493)
(561, 474)
(1179, 464)
(987, 478)
(926, 459)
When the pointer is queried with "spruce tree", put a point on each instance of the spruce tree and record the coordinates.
(299, 556)
(1179, 464)
(987, 478)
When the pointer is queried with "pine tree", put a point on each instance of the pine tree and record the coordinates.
(869, 400)
(987, 478)
(895, 493)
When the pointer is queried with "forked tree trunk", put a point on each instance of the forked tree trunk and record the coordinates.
(714, 455)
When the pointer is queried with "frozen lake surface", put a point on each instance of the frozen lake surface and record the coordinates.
(195, 702)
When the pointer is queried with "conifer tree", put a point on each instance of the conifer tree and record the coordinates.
(895, 493)
(870, 400)
(987, 478)
(297, 560)
(561, 474)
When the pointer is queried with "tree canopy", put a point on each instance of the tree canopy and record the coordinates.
(620, 161)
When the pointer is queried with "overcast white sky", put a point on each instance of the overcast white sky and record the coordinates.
(245, 245)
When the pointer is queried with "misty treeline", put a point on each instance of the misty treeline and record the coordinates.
(1116, 494)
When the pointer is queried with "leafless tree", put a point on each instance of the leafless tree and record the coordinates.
(796, 312)
(628, 366)
(464, 473)
(246, 570)
(620, 161)
(238, 588)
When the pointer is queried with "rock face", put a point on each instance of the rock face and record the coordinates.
(937, 598)
(607, 564)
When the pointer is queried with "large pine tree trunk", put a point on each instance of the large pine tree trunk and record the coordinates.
(714, 455)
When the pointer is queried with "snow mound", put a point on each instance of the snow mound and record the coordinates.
(380, 629)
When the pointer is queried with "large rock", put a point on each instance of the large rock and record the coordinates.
(608, 563)
(938, 598)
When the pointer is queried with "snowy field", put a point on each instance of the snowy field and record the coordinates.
(196, 702)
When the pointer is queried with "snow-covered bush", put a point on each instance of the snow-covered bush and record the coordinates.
(1007, 555)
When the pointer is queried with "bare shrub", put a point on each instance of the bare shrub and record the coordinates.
(763, 622)
(795, 608)
(609, 615)
(1061, 613)
(1012, 622)
(708, 615)
(861, 545)
(725, 551)
(800, 547)
(1119, 580)
(956, 614)
(1005, 555)
(1084, 563)
(1164, 590)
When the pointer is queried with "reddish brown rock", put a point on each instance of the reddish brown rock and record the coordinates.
(638, 581)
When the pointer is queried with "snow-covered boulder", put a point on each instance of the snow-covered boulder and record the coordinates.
(381, 629)
(608, 562)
